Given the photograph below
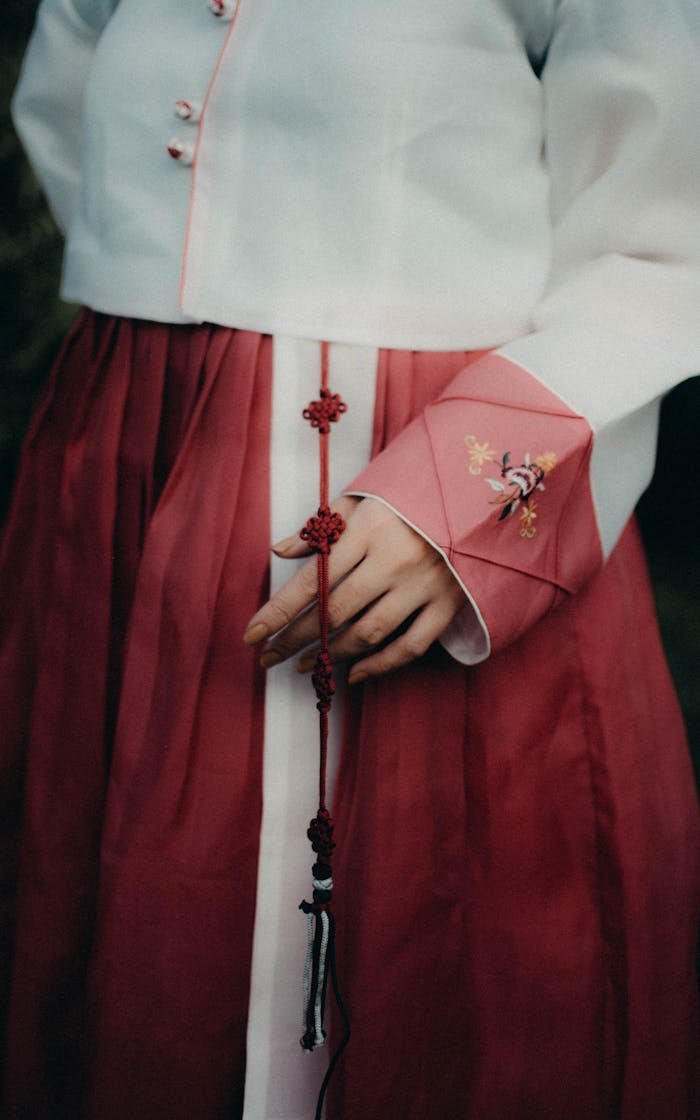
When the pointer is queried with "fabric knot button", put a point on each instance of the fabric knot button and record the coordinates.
(323, 530)
(325, 411)
(223, 9)
(322, 680)
(189, 111)
(181, 152)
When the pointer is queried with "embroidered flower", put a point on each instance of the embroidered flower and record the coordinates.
(479, 453)
(517, 483)
(527, 516)
(547, 461)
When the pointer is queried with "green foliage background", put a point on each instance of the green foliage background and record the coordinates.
(32, 321)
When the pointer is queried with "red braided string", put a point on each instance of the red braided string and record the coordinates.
(321, 532)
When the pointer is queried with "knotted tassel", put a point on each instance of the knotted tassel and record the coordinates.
(321, 931)
(321, 532)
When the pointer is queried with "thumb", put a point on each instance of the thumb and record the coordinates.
(291, 547)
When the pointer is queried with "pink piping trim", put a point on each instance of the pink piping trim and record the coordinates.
(212, 81)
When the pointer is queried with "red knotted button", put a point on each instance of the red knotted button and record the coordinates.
(326, 411)
(223, 9)
(189, 111)
(181, 152)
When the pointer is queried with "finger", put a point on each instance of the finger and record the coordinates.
(299, 591)
(349, 598)
(293, 547)
(389, 614)
(429, 624)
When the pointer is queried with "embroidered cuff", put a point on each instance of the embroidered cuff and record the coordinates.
(494, 474)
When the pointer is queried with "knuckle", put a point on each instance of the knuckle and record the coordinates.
(413, 647)
(336, 615)
(308, 578)
(370, 633)
(279, 615)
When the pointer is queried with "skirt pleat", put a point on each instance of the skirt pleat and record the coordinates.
(145, 462)
(519, 869)
(517, 865)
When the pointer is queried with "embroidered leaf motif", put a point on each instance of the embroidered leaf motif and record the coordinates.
(495, 484)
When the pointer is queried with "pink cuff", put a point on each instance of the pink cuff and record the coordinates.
(494, 473)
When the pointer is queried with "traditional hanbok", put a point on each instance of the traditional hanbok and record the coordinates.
(489, 211)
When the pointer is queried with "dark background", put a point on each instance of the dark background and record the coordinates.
(32, 321)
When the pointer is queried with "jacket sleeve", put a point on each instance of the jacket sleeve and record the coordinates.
(525, 471)
(47, 104)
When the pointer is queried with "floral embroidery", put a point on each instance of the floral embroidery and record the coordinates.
(479, 453)
(547, 461)
(527, 516)
(516, 487)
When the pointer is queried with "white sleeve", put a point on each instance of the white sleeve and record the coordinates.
(47, 104)
(616, 327)
(619, 323)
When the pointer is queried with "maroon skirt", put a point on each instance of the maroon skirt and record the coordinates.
(518, 875)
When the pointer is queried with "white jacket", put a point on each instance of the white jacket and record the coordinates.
(393, 173)
(437, 174)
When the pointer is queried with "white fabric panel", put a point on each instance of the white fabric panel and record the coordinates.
(282, 1082)
(47, 107)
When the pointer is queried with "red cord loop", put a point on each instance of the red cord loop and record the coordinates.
(323, 530)
(324, 412)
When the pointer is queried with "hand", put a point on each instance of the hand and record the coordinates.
(384, 576)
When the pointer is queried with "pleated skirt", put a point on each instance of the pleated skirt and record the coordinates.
(517, 868)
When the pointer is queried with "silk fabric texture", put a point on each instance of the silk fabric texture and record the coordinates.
(517, 862)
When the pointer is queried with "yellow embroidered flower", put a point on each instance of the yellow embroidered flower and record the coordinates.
(547, 461)
(527, 516)
(479, 453)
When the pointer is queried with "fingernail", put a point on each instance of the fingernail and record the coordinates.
(357, 677)
(284, 546)
(255, 634)
(305, 664)
(270, 658)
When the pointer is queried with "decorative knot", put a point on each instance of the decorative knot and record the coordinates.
(313, 907)
(320, 833)
(323, 530)
(322, 680)
(326, 411)
(223, 9)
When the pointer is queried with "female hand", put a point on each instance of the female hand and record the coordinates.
(382, 573)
